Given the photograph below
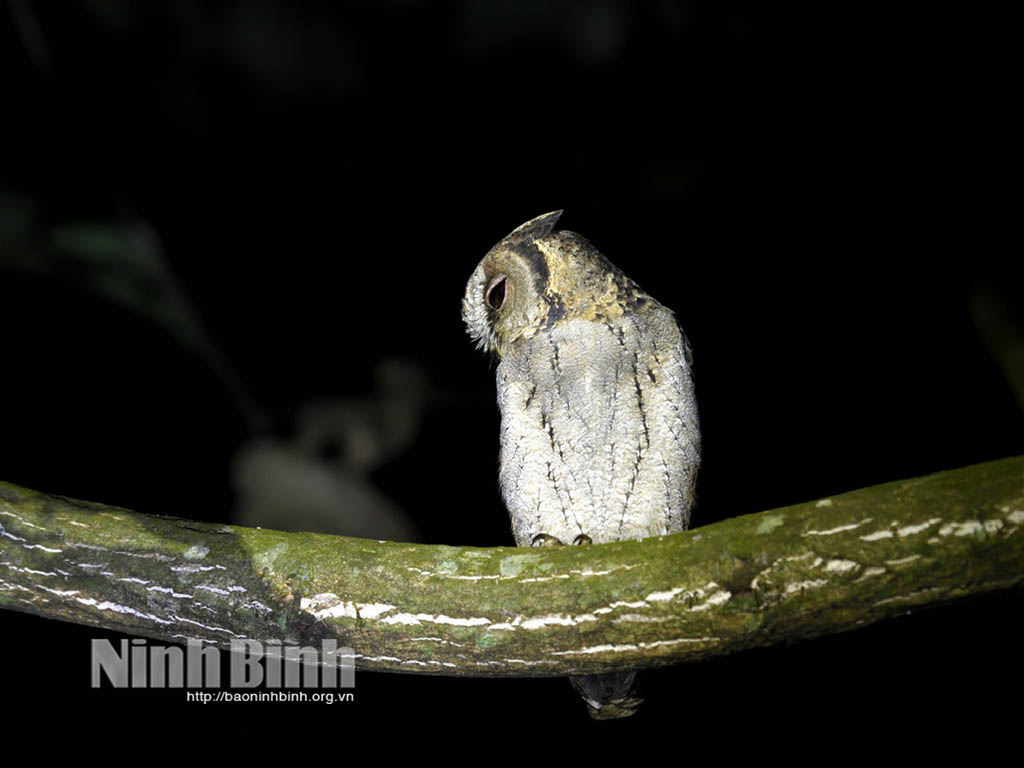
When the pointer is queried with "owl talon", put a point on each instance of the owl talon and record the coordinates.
(581, 540)
(545, 540)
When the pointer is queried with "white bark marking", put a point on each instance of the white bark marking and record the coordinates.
(871, 571)
(188, 568)
(21, 520)
(204, 626)
(911, 597)
(716, 599)
(13, 567)
(841, 566)
(215, 590)
(638, 618)
(903, 560)
(910, 530)
(168, 590)
(664, 597)
(457, 621)
(798, 586)
(626, 647)
(328, 605)
(839, 529)
(560, 619)
(971, 527)
(877, 535)
(106, 605)
(414, 662)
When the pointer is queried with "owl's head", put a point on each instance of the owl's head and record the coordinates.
(506, 295)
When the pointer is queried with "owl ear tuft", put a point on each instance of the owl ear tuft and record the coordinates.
(536, 228)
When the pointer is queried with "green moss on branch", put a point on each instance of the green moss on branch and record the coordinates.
(764, 579)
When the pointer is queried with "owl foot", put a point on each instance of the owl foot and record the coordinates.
(545, 540)
(610, 695)
(581, 540)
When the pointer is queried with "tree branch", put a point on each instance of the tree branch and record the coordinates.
(764, 579)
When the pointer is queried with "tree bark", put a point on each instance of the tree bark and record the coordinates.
(765, 579)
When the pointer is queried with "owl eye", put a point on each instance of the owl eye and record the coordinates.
(495, 295)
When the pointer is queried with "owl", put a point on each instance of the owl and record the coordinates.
(599, 433)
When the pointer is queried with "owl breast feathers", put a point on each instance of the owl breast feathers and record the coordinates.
(599, 433)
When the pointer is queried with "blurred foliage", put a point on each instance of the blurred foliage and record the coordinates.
(119, 261)
(318, 479)
(1003, 335)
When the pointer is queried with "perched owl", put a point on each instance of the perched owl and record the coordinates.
(599, 434)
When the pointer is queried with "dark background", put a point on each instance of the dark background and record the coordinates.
(816, 192)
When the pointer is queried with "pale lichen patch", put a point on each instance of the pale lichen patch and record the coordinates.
(824, 503)
(196, 552)
(513, 565)
(841, 566)
(769, 523)
(268, 557)
(447, 567)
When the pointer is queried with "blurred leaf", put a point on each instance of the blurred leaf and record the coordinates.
(123, 263)
(18, 214)
(1002, 334)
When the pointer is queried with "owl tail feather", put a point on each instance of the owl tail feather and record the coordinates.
(608, 696)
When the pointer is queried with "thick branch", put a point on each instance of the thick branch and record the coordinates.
(763, 579)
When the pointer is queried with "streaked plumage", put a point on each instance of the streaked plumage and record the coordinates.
(599, 432)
